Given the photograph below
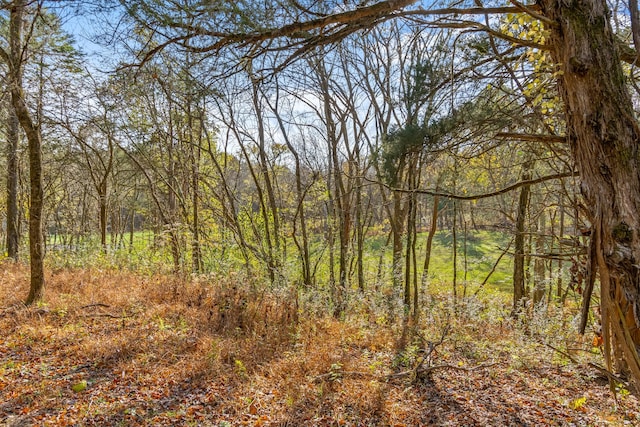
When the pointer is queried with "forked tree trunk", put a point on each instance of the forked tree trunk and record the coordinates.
(605, 137)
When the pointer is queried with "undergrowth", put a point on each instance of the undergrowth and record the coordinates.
(110, 347)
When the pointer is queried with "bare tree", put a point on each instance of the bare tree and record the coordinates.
(15, 57)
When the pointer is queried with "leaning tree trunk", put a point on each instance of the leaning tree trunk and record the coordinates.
(604, 136)
(32, 131)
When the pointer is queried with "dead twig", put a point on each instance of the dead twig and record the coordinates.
(424, 370)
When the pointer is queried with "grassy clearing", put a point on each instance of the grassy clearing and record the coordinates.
(114, 348)
(483, 249)
(151, 254)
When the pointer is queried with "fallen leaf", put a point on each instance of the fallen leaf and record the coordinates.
(79, 387)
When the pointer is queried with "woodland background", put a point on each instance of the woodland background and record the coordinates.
(263, 236)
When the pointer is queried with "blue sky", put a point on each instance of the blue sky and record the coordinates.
(91, 30)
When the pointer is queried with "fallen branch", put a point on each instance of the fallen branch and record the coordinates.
(97, 304)
(415, 372)
(408, 373)
(610, 375)
(109, 315)
(341, 374)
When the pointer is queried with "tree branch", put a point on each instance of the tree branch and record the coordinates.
(4, 56)
(532, 137)
(471, 11)
(635, 24)
(481, 196)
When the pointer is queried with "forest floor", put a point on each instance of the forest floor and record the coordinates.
(112, 348)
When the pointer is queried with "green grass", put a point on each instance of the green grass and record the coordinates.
(149, 253)
(483, 248)
(143, 256)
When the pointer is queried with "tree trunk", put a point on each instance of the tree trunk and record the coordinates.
(409, 265)
(396, 229)
(454, 248)
(465, 258)
(340, 198)
(539, 265)
(303, 248)
(196, 261)
(13, 137)
(32, 131)
(359, 226)
(270, 211)
(132, 224)
(396, 216)
(560, 237)
(102, 198)
(604, 137)
(432, 232)
(170, 221)
(196, 257)
(519, 291)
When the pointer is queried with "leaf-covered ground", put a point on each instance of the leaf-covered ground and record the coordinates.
(111, 348)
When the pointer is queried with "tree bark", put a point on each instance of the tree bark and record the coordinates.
(32, 131)
(539, 266)
(519, 290)
(13, 230)
(406, 300)
(604, 137)
(102, 200)
(560, 237)
(196, 262)
(454, 249)
(432, 232)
